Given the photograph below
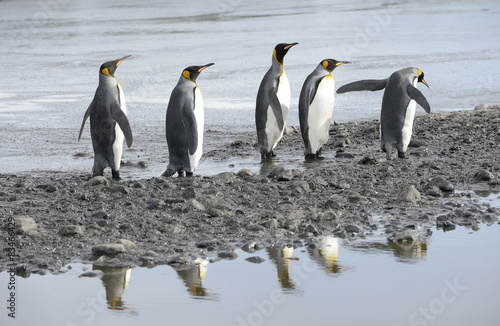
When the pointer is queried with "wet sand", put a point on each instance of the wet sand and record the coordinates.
(352, 192)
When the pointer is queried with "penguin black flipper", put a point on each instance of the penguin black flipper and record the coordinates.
(121, 118)
(85, 117)
(275, 104)
(191, 128)
(416, 95)
(305, 100)
(364, 85)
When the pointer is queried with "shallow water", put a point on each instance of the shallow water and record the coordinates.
(450, 278)
(52, 50)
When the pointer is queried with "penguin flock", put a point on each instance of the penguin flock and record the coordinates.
(184, 126)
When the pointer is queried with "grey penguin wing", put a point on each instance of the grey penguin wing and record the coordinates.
(306, 97)
(275, 104)
(190, 127)
(121, 118)
(85, 117)
(416, 95)
(363, 85)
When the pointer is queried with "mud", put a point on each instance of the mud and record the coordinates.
(352, 192)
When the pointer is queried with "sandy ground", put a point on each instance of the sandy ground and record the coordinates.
(354, 191)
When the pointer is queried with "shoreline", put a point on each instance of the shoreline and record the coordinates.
(63, 217)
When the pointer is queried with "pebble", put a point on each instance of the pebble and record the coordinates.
(109, 249)
(71, 230)
(25, 225)
(410, 194)
(255, 259)
(192, 205)
(482, 175)
(98, 181)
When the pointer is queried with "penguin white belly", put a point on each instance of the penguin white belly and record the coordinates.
(200, 123)
(408, 125)
(119, 137)
(320, 113)
(273, 132)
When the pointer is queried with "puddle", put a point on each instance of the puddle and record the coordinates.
(449, 278)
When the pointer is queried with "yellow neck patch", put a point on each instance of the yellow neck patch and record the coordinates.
(106, 72)
(325, 64)
(186, 75)
(274, 56)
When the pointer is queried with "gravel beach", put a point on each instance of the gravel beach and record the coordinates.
(52, 220)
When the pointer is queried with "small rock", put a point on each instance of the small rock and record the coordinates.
(120, 190)
(481, 107)
(249, 246)
(353, 228)
(227, 255)
(270, 223)
(281, 174)
(368, 160)
(255, 259)
(24, 225)
(156, 203)
(110, 249)
(126, 243)
(192, 205)
(101, 215)
(406, 236)
(71, 230)
(443, 184)
(417, 143)
(410, 194)
(224, 177)
(482, 175)
(342, 142)
(190, 193)
(98, 181)
(245, 173)
(25, 183)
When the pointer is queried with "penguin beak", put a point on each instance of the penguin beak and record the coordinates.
(341, 63)
(121, 60)
(425, 83)
(290, 45)
(205, 67)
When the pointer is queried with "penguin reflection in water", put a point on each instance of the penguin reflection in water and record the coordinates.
(184, 124)
(273, 102)
(316, 104)
(398, 106)
(108, 121)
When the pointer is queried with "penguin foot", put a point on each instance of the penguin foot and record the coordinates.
(401, 154)
(311, 157)
(267, 156)
(116, 175)
(168, 173)
(189, 174)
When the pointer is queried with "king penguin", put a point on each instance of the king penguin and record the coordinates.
(108, 121)
(184, 124)
(316, 104)
(398, 106)
(273, 102)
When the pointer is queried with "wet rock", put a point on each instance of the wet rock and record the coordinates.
(181, 259)
(443, 184)
(25, 183)
(110, 249)
(245, 173)
(192, 205)
(353, 228)
(119, 190)
(25, 225)
(228, 255)
(224, 177)
(50, 188)
(368, 160)
(409, 194)
(71, 230)
(255, 259)
(406, 236)
(98, 181)
(342, 142)
(269, 223)
(190, 193)
(482, 175)
(249, 246)
(281, 174)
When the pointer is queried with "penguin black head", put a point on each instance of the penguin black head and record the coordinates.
(109, 68)
(192, 72)
(280, 50)
(330, 64)
(421, 77)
